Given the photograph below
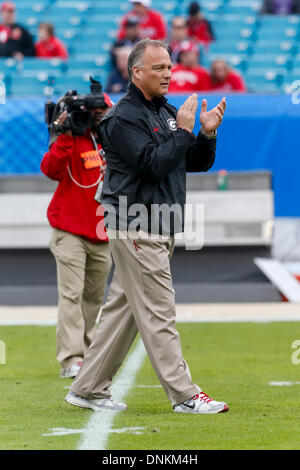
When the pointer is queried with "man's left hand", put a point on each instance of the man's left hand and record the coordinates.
(212, 119)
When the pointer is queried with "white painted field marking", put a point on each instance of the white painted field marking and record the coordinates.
(63, 432)
(134, 430)
(30, 322)
(283, 384)
(68, 431)
(147, 386)
(100, 424)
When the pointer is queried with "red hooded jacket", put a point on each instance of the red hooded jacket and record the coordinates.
(78, 167)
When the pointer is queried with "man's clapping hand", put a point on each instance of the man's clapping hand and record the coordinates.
(212, 119)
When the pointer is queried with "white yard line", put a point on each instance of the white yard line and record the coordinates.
(283, 384)
(99, 426)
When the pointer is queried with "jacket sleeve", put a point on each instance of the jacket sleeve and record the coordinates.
(55, 161)
(201, 155)
(135, 146)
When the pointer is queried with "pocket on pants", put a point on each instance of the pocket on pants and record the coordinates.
(56, 236)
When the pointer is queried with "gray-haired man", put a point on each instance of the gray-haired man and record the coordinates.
(149, 147)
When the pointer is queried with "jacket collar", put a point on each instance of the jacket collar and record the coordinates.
(135, 93)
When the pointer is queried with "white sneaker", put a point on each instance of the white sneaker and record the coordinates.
(71, 372)
(201, 404)
(95, 404)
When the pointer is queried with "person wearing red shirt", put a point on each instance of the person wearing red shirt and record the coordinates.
(199, 28)
(49, 46)
(188, 76)
(224, 79)
(151, 22)
(79, 242)
(15, 40)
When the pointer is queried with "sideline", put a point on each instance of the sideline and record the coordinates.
(200, 312)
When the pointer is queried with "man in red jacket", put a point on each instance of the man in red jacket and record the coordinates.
(80, 248)
(188, 76)
(224, 79)
(151, 22)
(199, 28)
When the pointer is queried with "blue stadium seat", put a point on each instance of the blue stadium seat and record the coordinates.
(274, 76)
(241, 8)
(296, 61)
(278, 21)
(230, 47)
(234, 33)
(96, 66)
(30, 66)
(29, 86)
(259, 87)
(81, 83)
(275, 46)
(266, 61)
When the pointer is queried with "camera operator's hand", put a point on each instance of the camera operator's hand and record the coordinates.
(61, 120)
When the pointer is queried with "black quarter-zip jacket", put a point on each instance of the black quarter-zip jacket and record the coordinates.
(147, 161)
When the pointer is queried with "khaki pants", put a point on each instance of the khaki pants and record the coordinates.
(82, 271)
(141, 298)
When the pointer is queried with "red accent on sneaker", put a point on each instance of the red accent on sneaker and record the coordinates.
(226, 408)
(203, 397)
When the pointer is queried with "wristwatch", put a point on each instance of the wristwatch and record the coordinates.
(212, 136)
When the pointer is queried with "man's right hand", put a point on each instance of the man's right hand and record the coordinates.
(186, 113)
(60, 120)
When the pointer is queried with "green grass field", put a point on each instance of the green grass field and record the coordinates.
(231, 361)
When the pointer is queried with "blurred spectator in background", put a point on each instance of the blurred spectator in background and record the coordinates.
(15, 41)
(223, 78)
(281, 7)
(151, 22)
(198, 27)
(188, 75)
(48, 45)
(178, 35)
(132, 35)
(118, 79)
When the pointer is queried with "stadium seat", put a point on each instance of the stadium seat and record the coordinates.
(30, 86)
(275, 46)
(264, 77)
(95, 66)
(241, 7)
(30, 66)
(278, 21)
(296, 61)
(269, 61)
(230, 47)
(81, 82)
